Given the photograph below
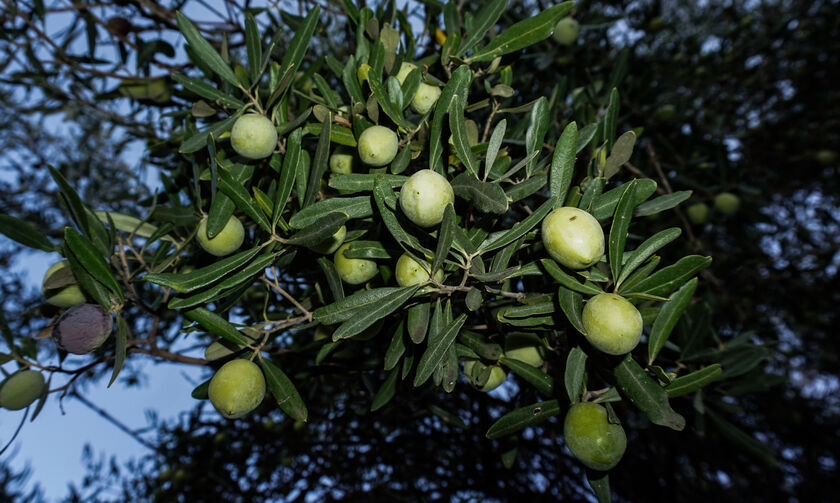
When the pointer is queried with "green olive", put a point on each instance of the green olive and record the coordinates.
(237, 388)
(424, 196)
(20, 389)
(613, 325)
(566, 31)
(253, 136)
(590, 436)
(497, 375)
(410, 272)
(527, 348)
(697, 213)
(727, 203)
(573, 237)
(354, 271)
(65, 296)
(425, 98)
(332, 243)
(227, 241)
(377, 146)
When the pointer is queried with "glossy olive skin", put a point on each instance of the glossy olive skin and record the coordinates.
(573, 237)
(253, 136)
(67, 296)
(566, 31)
(613, 325)
(354, 271)
(590, 436)
(20, 389)
(410, 272)
(237, 388)
(727, 203)
(377, 146)
(526, 348)
(83, 328)
(227, 241)
(497, 375)
(424, 196)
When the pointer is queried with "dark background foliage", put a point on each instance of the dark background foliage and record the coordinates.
(754, 99)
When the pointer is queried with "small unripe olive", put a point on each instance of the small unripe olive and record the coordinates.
(697, 213)
(526, 348)
(332, 243)
(410, 272)
(354, 271)
(573, 237)
(826, 156)
(341, 162)
(377, 146)
(227, 241)
(405, 69)
(83, 328)
(665, 113)
(425, 98)
(727, 203)
(612, 323)
(362, 73)
(590, 436)
(237, 388)
(67, 296)
(497, 375)
(566, 31)
(21, 389)
(424, 197)
(253, 136)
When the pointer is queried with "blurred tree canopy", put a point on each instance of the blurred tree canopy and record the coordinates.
(724, 96)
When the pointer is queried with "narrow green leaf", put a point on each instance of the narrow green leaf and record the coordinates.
(361, 182)
(500, 239)
(92, 261)
(120, 338)
(575, 374)
(536, 377)
(204, 50)
(207, 91)
(600, 483)
(493, 146)
(234, 281)
(668, 317)
(394, 113)
(382, 193)
(363, 319)
(572, 305)
(647, 394)
(458, 127)
(563, 164)
(523, 417)
(287, 174)
(693, 381)
(417, 321)
(437, 350)
(253, 46)
(535, 134)
(89, 284)
(485, 19)
(386, 391)
(395, 349)
(131, 225)
(222, 207)
(620, 154)
(567, 280)
(480, 345)
(81, 215)
(666, 280)
(215, 324)
(199, 278)
(522, 34)
(591, 194)
(338, 134)
(352, 207)
(611, 119)
(284, 391)
(300, 42)
(662, 203)
(243, 200)
(487, 197)
(638, 256)
(198, 141)
(319, 230)
(201, 392)
(458, 83)
(604, 205)
(363, 300)
(620, 228)
(25, 233)
(446, 235)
